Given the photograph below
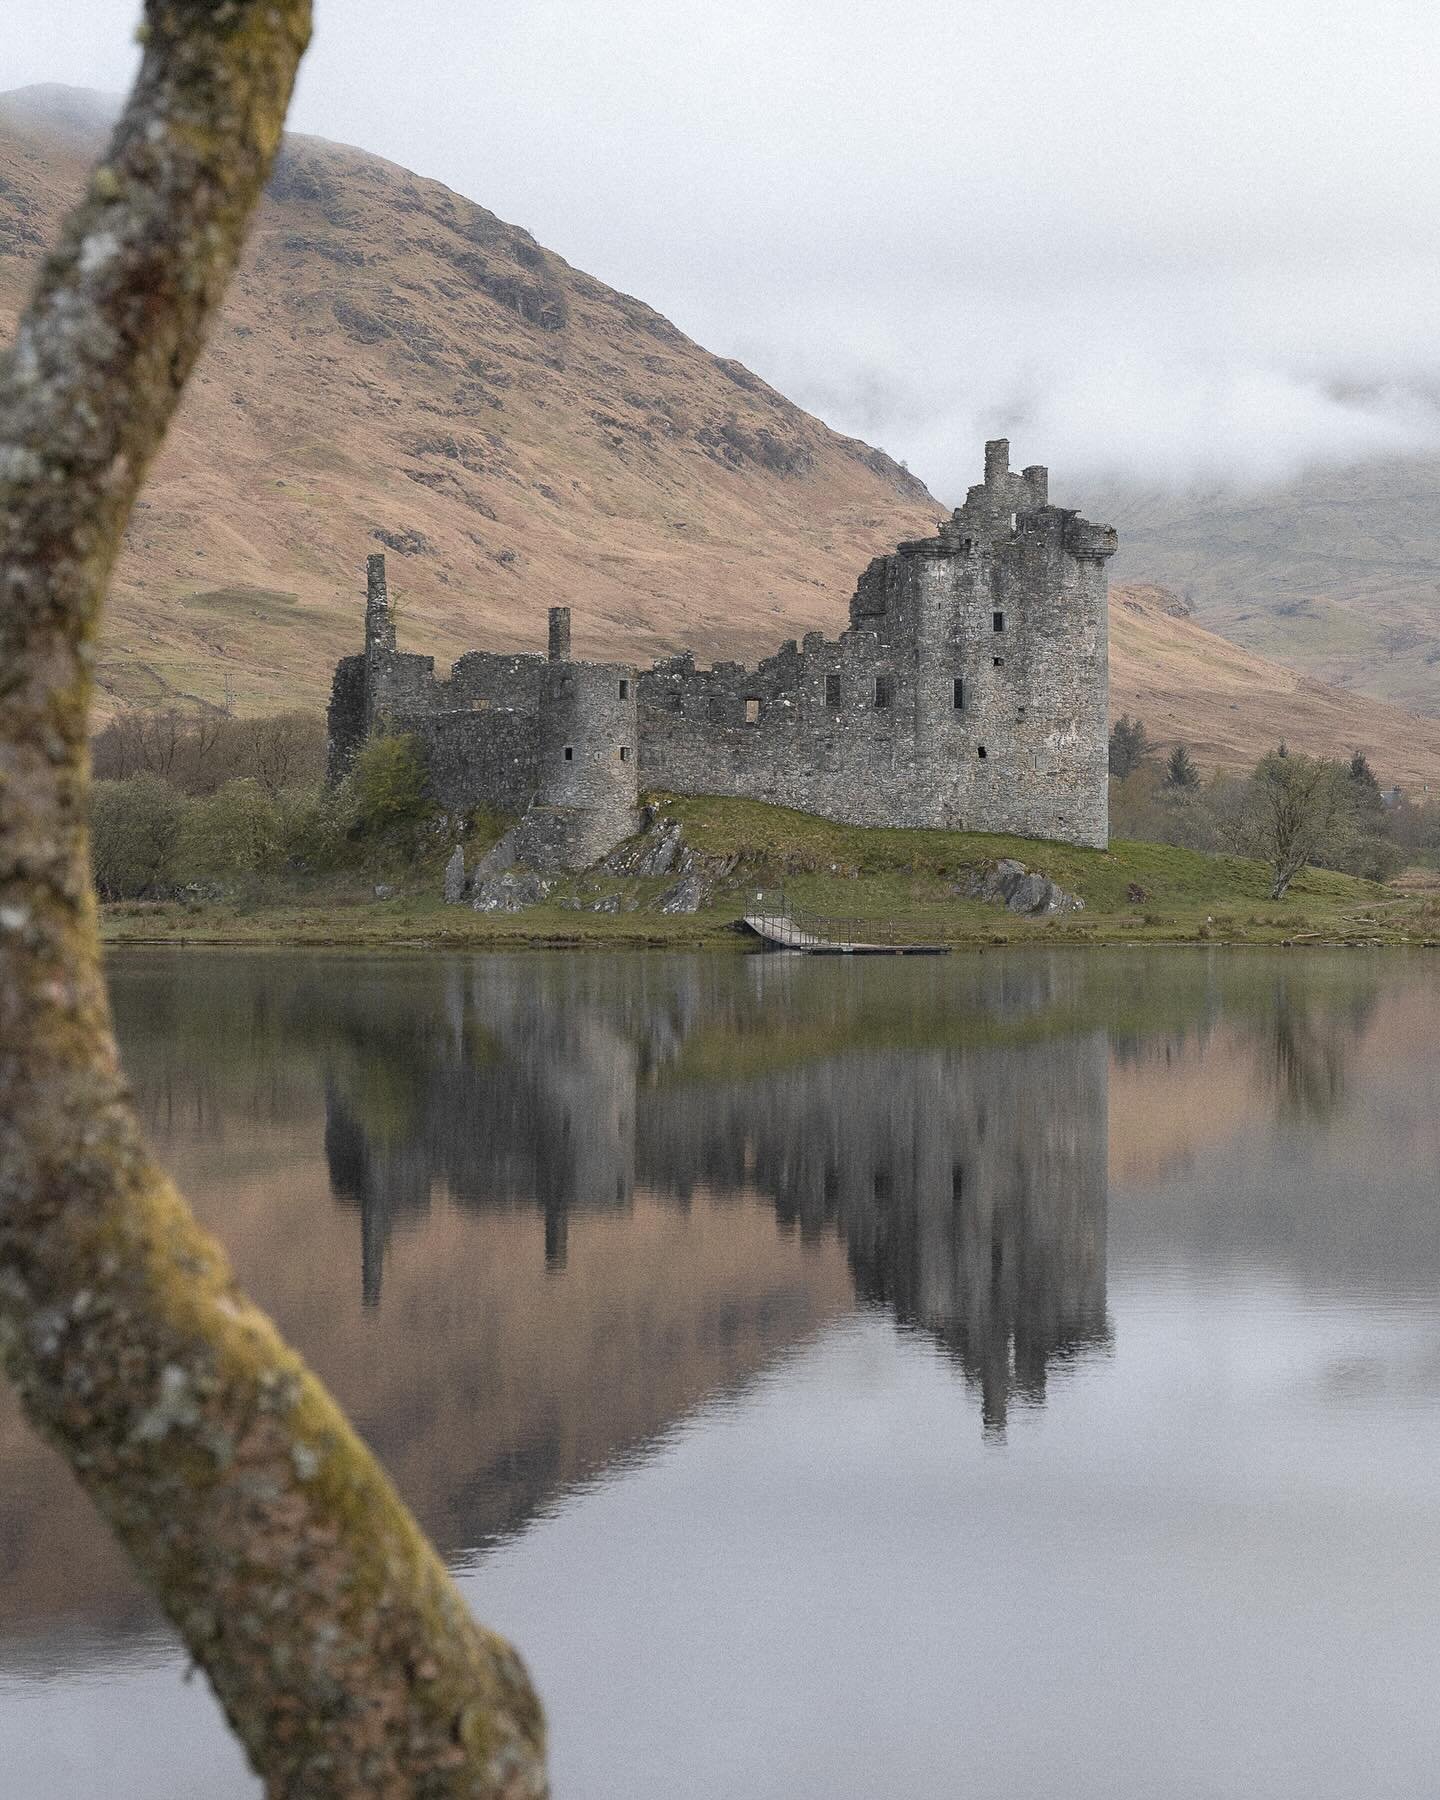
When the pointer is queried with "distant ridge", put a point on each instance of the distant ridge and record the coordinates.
(1336, 573)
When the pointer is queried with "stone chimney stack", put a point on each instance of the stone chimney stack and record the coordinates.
(379, 620)
(559, 634)
(1037, 485)
(997, 461)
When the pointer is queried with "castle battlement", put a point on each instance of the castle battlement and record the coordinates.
(968, 692)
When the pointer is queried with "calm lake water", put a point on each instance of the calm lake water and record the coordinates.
(1004, 1376)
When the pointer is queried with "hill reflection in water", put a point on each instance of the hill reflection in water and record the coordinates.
(527, 1214)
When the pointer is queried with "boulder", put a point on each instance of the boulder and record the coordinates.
(687, 895)
(1020, 890)
(510, 892)
(455, 878)
(656, 851)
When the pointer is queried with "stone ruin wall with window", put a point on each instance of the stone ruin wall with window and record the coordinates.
(970, 692)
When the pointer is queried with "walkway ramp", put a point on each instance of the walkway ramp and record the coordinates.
(785, 928)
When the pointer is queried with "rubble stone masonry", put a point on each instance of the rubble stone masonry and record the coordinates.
(969, 692)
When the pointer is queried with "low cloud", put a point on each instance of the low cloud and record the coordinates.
(1149, 241)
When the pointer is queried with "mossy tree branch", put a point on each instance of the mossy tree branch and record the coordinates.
(343, 1656)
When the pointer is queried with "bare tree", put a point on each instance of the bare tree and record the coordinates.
(1299, 813)
(343, 1656)
(283, 750)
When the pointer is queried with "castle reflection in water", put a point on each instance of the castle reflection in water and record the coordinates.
(961, 1158)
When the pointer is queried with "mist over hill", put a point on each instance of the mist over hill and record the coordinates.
(1336, 575)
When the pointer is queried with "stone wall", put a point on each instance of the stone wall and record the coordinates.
(346, 723)
(970, 692)
(588, 738)
(478, 758)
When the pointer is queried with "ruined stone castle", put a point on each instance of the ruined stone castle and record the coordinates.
(970, 692)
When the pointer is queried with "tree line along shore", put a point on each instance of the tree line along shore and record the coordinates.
(215, 830)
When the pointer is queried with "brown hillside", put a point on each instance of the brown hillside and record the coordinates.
(397, 367)
(1230, 705)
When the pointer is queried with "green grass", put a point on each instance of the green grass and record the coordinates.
(1133, 893)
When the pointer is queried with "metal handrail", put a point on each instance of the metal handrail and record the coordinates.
(844, 932)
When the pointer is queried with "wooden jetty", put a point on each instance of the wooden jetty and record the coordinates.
(783, 927)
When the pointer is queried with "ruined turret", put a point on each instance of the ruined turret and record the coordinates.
(379, 618)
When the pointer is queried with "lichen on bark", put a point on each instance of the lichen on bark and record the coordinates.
(343, 1656)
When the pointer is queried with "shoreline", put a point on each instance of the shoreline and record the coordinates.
(719, 933)
(896, 884)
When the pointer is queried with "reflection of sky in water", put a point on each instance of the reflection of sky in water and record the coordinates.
(1203, 1570)
(1200, 1561)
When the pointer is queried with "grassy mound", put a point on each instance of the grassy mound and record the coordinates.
(1133, 893)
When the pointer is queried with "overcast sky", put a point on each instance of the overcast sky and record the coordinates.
(1177, 240)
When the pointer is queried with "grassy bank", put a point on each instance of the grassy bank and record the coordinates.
(1133, 893)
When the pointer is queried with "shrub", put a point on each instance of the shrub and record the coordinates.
(387, 780)
(135, 828)
(238, 831)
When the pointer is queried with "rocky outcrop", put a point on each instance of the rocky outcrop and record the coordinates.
(1020, 890)
(688, 894)
(657, 850)
(510, 892)
(455, 878)
(500, 882)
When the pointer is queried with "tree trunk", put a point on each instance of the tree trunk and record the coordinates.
(344, 1658)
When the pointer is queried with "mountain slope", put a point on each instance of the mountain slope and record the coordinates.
(397, 367)
(1337, 575)
(1230, 705)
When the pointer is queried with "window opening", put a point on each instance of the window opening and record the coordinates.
(624, 690)
(959, 694)
(882, 690)
(832, 690)
(752, 712)
(624, 753)
(980, 752)
(998, 661)
(569, 753)
(998, 620)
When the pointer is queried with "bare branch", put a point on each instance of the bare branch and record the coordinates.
(342, 1654)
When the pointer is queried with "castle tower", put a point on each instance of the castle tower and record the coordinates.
(588, 739)
(587, 779)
